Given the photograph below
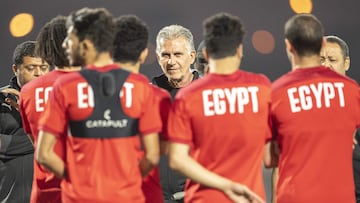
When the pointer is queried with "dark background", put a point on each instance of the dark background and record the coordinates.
(338, 17)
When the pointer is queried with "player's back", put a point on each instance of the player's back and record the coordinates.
(229, 119)
(33, 99)
(34, 95)
(315, 112)
(102, 157)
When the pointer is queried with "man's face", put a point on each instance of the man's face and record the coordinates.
(72, 49)
(31, 68)
(175, 59)
(332, 57)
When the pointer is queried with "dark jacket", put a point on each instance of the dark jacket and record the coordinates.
(356, 166)
(16, 154)
(171, 181)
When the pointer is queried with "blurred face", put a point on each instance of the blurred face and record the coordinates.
(31, 68)
(175, 59)
(332, 57)
(72, 49)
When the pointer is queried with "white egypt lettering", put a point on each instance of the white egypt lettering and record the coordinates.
(230, 100)
(322, 94)
(41, 97)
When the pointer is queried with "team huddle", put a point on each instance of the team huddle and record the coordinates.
(102, 132)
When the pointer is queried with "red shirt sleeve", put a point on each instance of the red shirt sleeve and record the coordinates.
(179, 126)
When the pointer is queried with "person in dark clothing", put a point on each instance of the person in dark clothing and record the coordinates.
(16, 150)
(175, 52)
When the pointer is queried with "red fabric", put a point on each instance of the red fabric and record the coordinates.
(151, 187)
(151, 183)
(315, 135)
(227, 139)
(100, 170)
(45, 187)
(163, 100)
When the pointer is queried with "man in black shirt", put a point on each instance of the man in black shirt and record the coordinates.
(175, 53)
(16, 150)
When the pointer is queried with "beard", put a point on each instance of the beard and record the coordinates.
(77, 59)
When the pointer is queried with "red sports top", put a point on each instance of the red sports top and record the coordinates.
(45, 187)
(315, 112)
(100, 170)
(151, 183)
(226, 119)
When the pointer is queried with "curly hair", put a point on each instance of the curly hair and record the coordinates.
(49, 42)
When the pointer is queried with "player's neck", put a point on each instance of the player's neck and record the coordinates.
(135, 68)
(100, 59)
(224, 66)
(306, 62)
(68, 68)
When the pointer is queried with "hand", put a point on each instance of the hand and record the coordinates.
(12, 101)
(241, 194)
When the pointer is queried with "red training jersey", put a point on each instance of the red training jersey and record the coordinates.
(34, 94)
(315, 112)
(100, 169)
(226, 120)
(151, 183)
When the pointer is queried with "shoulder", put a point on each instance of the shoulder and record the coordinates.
(68, 78)
(160, 92)
(138, 77)
(258, 78)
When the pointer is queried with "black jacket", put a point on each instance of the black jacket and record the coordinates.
(171, 181)
(16, 154)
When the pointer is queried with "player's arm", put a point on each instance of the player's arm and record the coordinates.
(46, 156)
(181, 161)
(275, 177)
(271, 155)
(152, 153)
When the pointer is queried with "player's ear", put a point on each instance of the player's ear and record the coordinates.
(15, 69)
(143, 55)
(288, 46)
(239, 50)
(205, 53)
(347, 63)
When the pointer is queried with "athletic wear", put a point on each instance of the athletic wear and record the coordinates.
(315, 112)
(102, 155)
(16, 153)
(151, 183)
(225, 119)
(45, 186)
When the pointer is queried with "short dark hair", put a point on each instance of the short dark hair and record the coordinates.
(96, 25)
(305, 33)
(26, 48)
(132, 36)
(223, 33)
(49, 42)
(342, 44)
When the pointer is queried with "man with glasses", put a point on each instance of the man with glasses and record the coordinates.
(16, 150)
